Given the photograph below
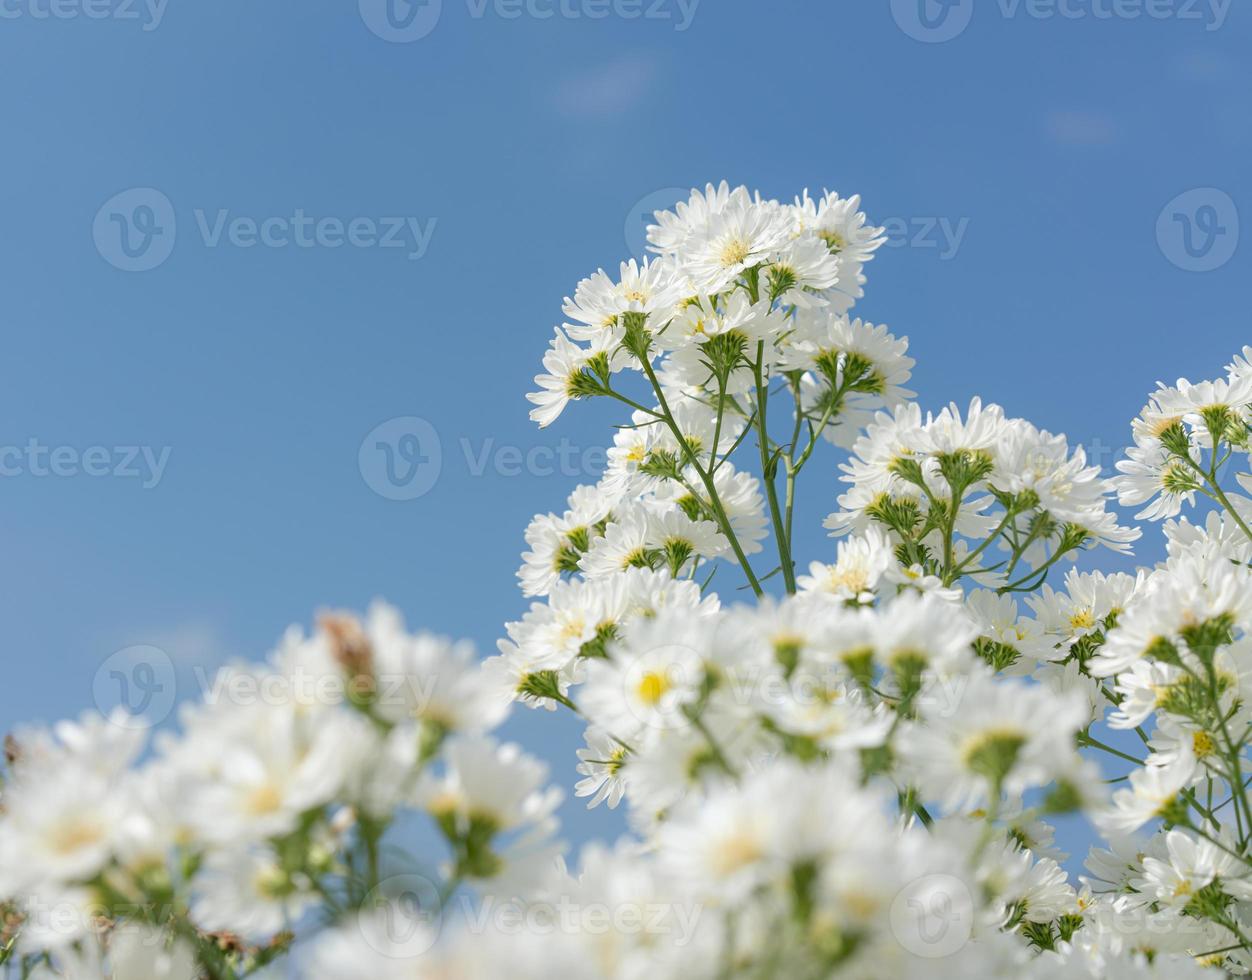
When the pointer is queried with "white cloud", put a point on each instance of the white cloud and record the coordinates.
(1072, 128)
(608, 89)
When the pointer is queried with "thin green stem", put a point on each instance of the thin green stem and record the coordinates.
(768, 468)
(714, 500)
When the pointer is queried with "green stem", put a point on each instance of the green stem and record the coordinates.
(767, 473)
(705, 478)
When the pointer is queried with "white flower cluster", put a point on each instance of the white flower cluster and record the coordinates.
(267, 809)
(851, 777)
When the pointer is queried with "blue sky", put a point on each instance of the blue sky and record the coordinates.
(438, 197)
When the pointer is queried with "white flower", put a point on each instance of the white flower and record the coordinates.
(647, 683)
(493, 795)
(651, 287)
(67, 804)
(998, 736)
(564, 379)
(860, 565)
(261, 767)
(741, 237)
(387, 941)
(1192, 864)
(1153, 790)
(690, 218)
(602, 765)
(247, 892)
(1190, 592)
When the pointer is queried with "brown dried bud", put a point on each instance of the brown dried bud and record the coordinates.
(12, 751)
(350, 647)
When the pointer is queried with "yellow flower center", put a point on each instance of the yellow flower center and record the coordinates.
(1084, 619)
(735, 853)
(834, 241)
(264, 799)
(651, 688)
(73, 835)
(734, 252)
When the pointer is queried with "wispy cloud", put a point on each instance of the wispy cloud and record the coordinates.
(191, 644)
(609, 89)
(1205, 67)
(1071, 128)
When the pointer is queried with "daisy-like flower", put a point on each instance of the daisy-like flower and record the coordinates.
(1141, 687)
(851, 356)
(1007, 640)
(524, 670)
(861, 563)
(627, 542)
(1069, 491)
(680, 540)
(558, 543)
(1218, 536)
(738, 238)
(602, 764)
(803, 272)
(1153, 792)
(428, 678)
(674, 229)
(566, 374)
(262, 766)
(1151, 474)
(840, 224)
(68, 801)
(384, 941)
(1000, 737)
(1209, 406)
(249, 893)
(1189, 593)
(652, 287)
(1191, 864)
(1088, 603)
(1025, 888)
(920, 632)
(982, 428)
(651, 677)
(491, 799)
(737, 318)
